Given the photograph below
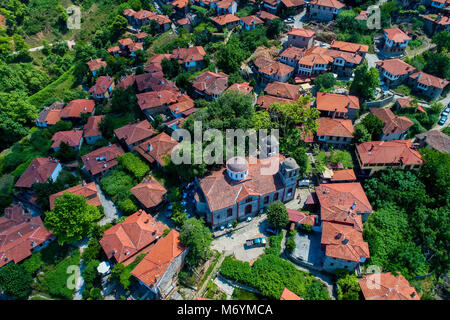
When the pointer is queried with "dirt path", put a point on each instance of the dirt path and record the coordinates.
(213, 273)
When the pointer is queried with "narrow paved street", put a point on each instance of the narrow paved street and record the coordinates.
(110, 210)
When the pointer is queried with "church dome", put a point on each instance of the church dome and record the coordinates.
(237, 168)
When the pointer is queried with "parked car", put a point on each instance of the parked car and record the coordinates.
(257, 242)
(442, 120)
(289, 20)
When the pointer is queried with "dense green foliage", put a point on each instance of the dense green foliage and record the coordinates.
(365, 82)
(277, 215)
(15, 281)
(133, 164)
(72, 218)
(198, 238)
(347, 286)
(117, 185)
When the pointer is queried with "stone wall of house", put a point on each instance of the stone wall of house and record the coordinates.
(171, 273)
(379, 103)
(331, 264)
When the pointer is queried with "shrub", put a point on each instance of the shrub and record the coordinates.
(15, 280)
(133, 165)
(290, 245)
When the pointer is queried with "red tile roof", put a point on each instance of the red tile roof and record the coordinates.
(19, 234)
(71, 137)
(283, 90)
(132, 133)
(150, 192)
(154, 81)
(386, 286)
(225, 4)
(436, 139)
(151, 269)
(387, 152)
(396, 35)
(225, 19)
(293, 53)
(196, 53)
(301, 217)
(343, 175)
(316, 55)
(89, 191)
(126, 42)
(343, 203)
(395, 66)
(362, 15)
(293, 3)
(392, 123)
(335, 127)
(333, 101)
(39, 170)
(243, 87)
(429, 80)
(289, 295)
(102, 159)
(438, 19)
(302, 32)
(183, 104)
(272, 67)
(221, 192)
(76, 107)
(349, 46)
(51, 114)
(96, 64)
(102, 85)
(130, 237)
(344, 242)
(264, 15)
(156, 99)
(156, 148)
(251, 20)
(125, 82)
(267, 100)
(404, 102)
(211, 83)
(328, 3)
(91, 128)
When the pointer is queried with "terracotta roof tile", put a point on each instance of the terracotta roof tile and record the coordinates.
(335, 127)
(302, 32)
(156, 148)
(211, 83)
(71, 137)
(343, 203)
(39, 170)
(102, 159)
(225, 19)
(267, 100)
(150, 192)
(96, 64)
(136, 132)
(302, 217)
(51, 114)
(75, 108)
(384, 152)
(395, 66)
(349, 46)
(328, 3)
(386, 286)
(396, 35)
(89, 191)
(272, 67)
(102, 85)
(289, 295)
(130, 237)
(196, 53)
(20, 233)
(264, 15)
(91, 128)
(283, 90)
(333, 101)
(344, 242)
(392, 123)
(156, 99)
(154, 265)
(243, 87)
(251, 20)
(429, 80)
(343, 175)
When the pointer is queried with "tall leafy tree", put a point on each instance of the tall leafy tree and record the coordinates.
(72, 218)
(365, 81)
(277, 215)
(15, 280)
(197, 237)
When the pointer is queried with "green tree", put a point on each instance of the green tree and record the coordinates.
(171, 68)
(275, 28)
(106, 126)
(361, 134)
(133, 164)
(325, 81)
(373, 125)
(65, 152)
(72, 218)
(197, 237)
(365, 81)
(442, 40)
(277, 215)
(347, 286)
(15, 281)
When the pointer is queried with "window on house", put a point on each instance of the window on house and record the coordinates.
(229, 212)
(266, 199)
(275, 196)
(249, 199)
